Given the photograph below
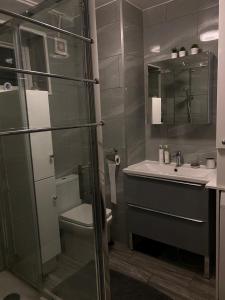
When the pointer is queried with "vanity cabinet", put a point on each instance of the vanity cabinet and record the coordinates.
(172, 212)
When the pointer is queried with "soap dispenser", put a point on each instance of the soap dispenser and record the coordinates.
(166, 154)
(161, 154)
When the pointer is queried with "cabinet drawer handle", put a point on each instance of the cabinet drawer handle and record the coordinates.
(167, 214)
(168, 180)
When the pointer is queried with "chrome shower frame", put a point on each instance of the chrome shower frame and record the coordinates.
(92, 84)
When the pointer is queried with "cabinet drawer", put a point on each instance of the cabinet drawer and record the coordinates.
(181, 233)
(191, 201)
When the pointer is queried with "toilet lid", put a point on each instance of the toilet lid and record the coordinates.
(82, 215)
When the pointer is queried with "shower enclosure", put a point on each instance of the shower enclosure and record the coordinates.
(48, 150)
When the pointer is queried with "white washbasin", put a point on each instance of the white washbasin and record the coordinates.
(149, 168)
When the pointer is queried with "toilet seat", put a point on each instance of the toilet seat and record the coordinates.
(82, 215)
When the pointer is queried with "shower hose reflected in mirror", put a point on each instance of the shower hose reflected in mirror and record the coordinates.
(188, 100)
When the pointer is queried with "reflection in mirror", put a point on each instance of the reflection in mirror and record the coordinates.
(179, 90)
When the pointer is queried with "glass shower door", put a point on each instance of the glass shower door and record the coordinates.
(54, 178)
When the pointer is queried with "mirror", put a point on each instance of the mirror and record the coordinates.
(179, 90)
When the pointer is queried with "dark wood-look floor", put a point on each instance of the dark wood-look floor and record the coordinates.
(176, 282)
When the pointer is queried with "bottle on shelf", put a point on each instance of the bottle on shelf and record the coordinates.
(182, 52)
(174, 53)
(166, 154)
(161, 154)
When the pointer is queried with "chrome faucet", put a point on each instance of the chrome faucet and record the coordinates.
(179, 159)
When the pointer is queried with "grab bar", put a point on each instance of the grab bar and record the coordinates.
(167, 214)
(45, 25)
(30, 72)
(44, 129)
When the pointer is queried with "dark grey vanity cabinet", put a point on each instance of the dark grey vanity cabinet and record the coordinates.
(176, 213)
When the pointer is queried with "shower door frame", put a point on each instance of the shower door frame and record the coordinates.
(92, 85)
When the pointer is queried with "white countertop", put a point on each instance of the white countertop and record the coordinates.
(185, 173)
(212, 184)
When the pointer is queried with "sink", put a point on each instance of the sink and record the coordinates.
(149, 168)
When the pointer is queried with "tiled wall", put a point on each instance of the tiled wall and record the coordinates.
(112, 102)
(175, 24)
(122, 97)
(68, 100)
(123, 30)
(134, 83)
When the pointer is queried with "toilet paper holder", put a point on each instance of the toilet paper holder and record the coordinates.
(113, 156)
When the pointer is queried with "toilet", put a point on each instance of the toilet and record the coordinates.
(76, 220)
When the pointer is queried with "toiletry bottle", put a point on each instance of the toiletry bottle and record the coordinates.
(174, 53)
(195, 49)
(182, 52)
(166, 155)
(161, 154)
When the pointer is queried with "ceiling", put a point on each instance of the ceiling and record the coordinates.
(18, 6)
(69, 8)
(142, 4)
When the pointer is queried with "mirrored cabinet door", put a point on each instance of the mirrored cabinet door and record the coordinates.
(179, 90)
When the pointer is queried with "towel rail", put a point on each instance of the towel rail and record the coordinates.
(52, 75)
(44, 129)
(45, 25)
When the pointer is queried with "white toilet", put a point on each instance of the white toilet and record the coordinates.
(76, 220)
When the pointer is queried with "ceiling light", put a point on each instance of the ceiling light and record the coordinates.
(28, 2)
(155, 49)
(210, 35)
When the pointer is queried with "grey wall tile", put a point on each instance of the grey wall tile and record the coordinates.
(132, 15)
(111, 72)
(135, 126)
(180, 8)
(109, 39)
(136, 152)
(176, 33)
(114, 132)
(112, 102)
(202, 4)
(134, 86)
(108, 14)
(133, 70)
(133, 40)
(154, 16)
(134, 97)
(122, 99)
